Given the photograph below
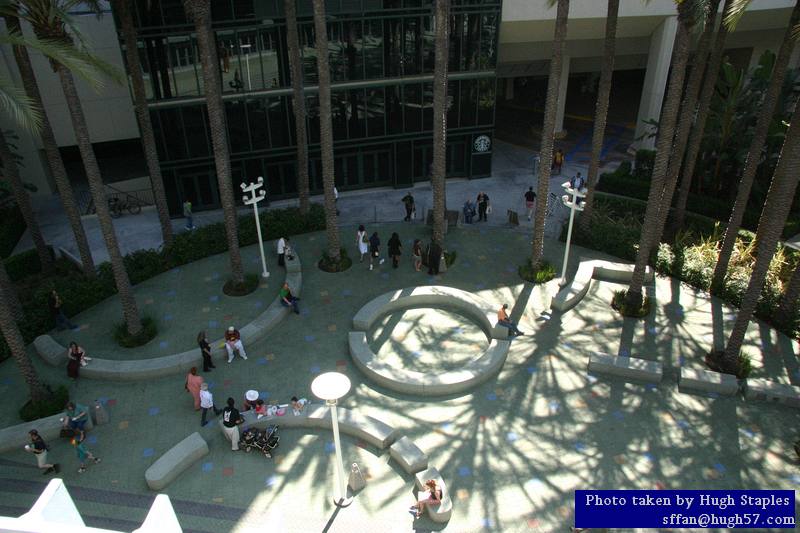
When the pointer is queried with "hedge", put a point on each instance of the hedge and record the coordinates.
(11, 229)
(80, 293)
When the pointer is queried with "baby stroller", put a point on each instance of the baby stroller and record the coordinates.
(264, 441)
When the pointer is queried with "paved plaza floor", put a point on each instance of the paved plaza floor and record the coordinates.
(511, 450)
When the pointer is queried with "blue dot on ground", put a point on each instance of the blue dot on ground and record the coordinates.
(681, 360)
(163, 344)
(167, 317)
(651, 330)
(309, 338)
(648, 456)
(747, 432)
(170, 293)
(446, 426)
(315, 369)
(208, 467)
(619, 415)
(482, 231)
(384, 276)
(511, 269)
(532, 370)
(487, 522)
(347, 292)
(713, 395)
(591, 379)
(6, 381)
(271, 481)
(466, 264)
(719, 467)
(795, 478)
(211, 384)
(491, 396)
(261, 361)
(417, 354)
(480, 286)
(579, 447)
(458, 329)
(212, 323)
(148, 452)
(263, 394)
(464, 471)
(625, 352)
(91, 439)
(102, 399)
(153, 411)
(214, 298)
(568, 345)
(305, 312)
(330, 447)
(215, 275)
(431, 279)
(651, 387)
(259, 304)
(683, 424)
(554, 405)
(511, 436)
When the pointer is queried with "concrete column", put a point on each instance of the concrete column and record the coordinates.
(509, 88)
(560, 133)
(655, 79)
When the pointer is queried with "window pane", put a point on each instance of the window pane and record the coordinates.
(182, 61)
(308, 53)
(252, 170)
(173, 12)
(278, 125)
(488, 56)
(269, 57)
(369, 162)
(237, 126)
(173, 134)
(257, 119)
(351, 171)
(231, 68)
(312, 112)
(412, 46)
(471, 37)
(375, 112)
(428, 44)
(456, 39)
(158, 134)
(337, 57)
(453, 98)
(486, 101)
(158, 64)
(373, 48)
(394, 111)
(289, 178)
(339, 113)
(353, 41)
(427, 106)
(358, 121)
(248, 45)
(392, 47)
(194, 122)
(412, 102)
(468, 102)
(273, 180)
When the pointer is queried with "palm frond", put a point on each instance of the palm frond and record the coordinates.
(16, 105)
(734, 14)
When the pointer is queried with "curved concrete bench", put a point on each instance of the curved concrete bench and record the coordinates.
(573, 292)
(408, 455)
(412, 382)
(438, 513)
(177, 459)
(626, 367)
(15, 437)
(135, 369)
(431, 296)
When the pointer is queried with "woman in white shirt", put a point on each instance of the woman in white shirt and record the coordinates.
(362, 241)
(282, 251)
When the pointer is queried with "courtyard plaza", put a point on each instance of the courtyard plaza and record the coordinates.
(511, 450)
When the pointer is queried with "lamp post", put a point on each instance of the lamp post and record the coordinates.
(246, 48)
(572, 204)
(253, 200)
(331, 386)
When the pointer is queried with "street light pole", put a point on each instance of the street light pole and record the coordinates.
(247, 62)
(572, 204)
(331, 386)
(253, 200)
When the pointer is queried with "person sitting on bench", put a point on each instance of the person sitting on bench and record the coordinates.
(504, 320)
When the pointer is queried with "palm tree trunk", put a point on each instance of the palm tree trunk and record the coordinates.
(548, 129)
(704, 105)
(686, 117)
(130, 311)
(326, 131)
(601, 110)
(11, 174)
(760, 132)
(16, 345)
(442, 22)
(10, 294)
(666, 133)
(787, 309)
(298, 104)
(122, 9)
(53, 154)
(770, 225)
(206, 44)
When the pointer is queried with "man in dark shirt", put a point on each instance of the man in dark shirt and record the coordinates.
(39, 448)
(530, 201)
(54, 303)
(230, 422)
(408, 200)
(434, 257)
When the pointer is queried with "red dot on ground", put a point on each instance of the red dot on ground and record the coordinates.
(227, 471)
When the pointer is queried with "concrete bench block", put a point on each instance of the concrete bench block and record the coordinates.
(440, 513)
(366, 428)
(770, 391)
(626, 367)
(408, 455)
(177, 459)
(707, 381)
(48, 349)
(49, 428)
(573, 292)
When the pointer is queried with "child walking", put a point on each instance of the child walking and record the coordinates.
(83, 453)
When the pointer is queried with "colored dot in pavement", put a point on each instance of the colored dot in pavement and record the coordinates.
(214, 298)
(385, 276)
(305, 312)
(330, 447)
(554, 405)
(332, 327)
(270, 357)
(480, 286)
(309, 338)
(491, 396)
(263, 394)
(511, 436)
(719, 467)
(170, 293)
(464, 471)
(511, 269)
(315, 369)
(213, 323)
(227, 471)
(123, 425)
(624, 352)
(215, 275)
(167, 317)
(208, 467)
(163, 344)
(579, 447)
(648, 457)
(153, 411)
(651, 330)
(466, 264)
(619, 415)
(347, 292)
(531, 370)
(261, 361)
(259, 304)
(651, 387)
(91, 439)
(148, 452)
(487, 522)
(462, 494)
(206, 309)
(271, 481)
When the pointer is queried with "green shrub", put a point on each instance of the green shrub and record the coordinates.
(450, 258)
(716, 361)
(644, 162)
(144, 264)
(11, 229)
(329, 264)
(541, 273)
(126, 340)
(249, 284)
(619, 304)
(49, 407)
(24, 264)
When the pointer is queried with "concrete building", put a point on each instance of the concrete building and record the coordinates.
(511, 63)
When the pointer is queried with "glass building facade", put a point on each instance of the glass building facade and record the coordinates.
(381, 55)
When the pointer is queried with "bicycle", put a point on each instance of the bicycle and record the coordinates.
(554, 204)
(116, 206)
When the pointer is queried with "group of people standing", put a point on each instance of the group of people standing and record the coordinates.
(371, 247)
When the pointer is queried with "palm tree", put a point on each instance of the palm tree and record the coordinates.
(11, 174)
(442, 23)
(666, 133)
(12, 299)
(123, 11)
(200, 11)
(16, 344)
(51, 150)
(49, 19)
(548, 128)
(787, 308)
(753, 159)
(325, 130)
(601, 110)
(770, 225)
(298, 104)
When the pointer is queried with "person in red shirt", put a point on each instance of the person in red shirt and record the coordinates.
(233, 341)
(504, 320)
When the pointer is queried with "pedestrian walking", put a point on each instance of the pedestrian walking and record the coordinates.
(375, 250)
(408, 202)
(395, 249)
(530, 201)
(54, 303)
(206, 403)
(83, 452)
(205, 351)
(434, 257)
(230, 423)
(362, 242)
(282, 244)
(416, 252)
(336, 199)
(187, 213)
(39, 448)
(558, 161)
(193, 382)
(483, 206)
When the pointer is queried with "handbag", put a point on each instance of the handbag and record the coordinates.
(489, 209)
(66, 433)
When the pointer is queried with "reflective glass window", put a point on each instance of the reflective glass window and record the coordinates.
(394, 111)
(486, 97)
(173, 11)
(237, 126)
(357, 114)
(244, 9)
(159, 135)
(456, 41)
(468, 103)
(172, 128)
(488, 53)
(340, 110)
(427, 106)
(259, 124)
(308, 52)
(231, 69)
(184, 68)
(158, 63)
(375, 112)
(353, 42)
(412, 46)
(392, 47)
(312, 114)
(472, 40)
(373, 48)
(428, 44)
(268, 51)
(289, 178)
(221, 10)
(252, 170)
(337, 58)
(195, 122)
(412, 103)
(252, 74)
(278, 123)
(273, 180)
(453, 98)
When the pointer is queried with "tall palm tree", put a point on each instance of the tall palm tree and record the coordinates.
(703, 108)
(11, 174)
(601, 110)
(548, 128)
(438, 179)
(753, 159)
(200, 11)
(53, 154)
(666, 133)
(298, 104)
(16, 344)
(10, 295)
(770, 225)
(123, 11)
(49, 19)
(787, 308)
(326, 130)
